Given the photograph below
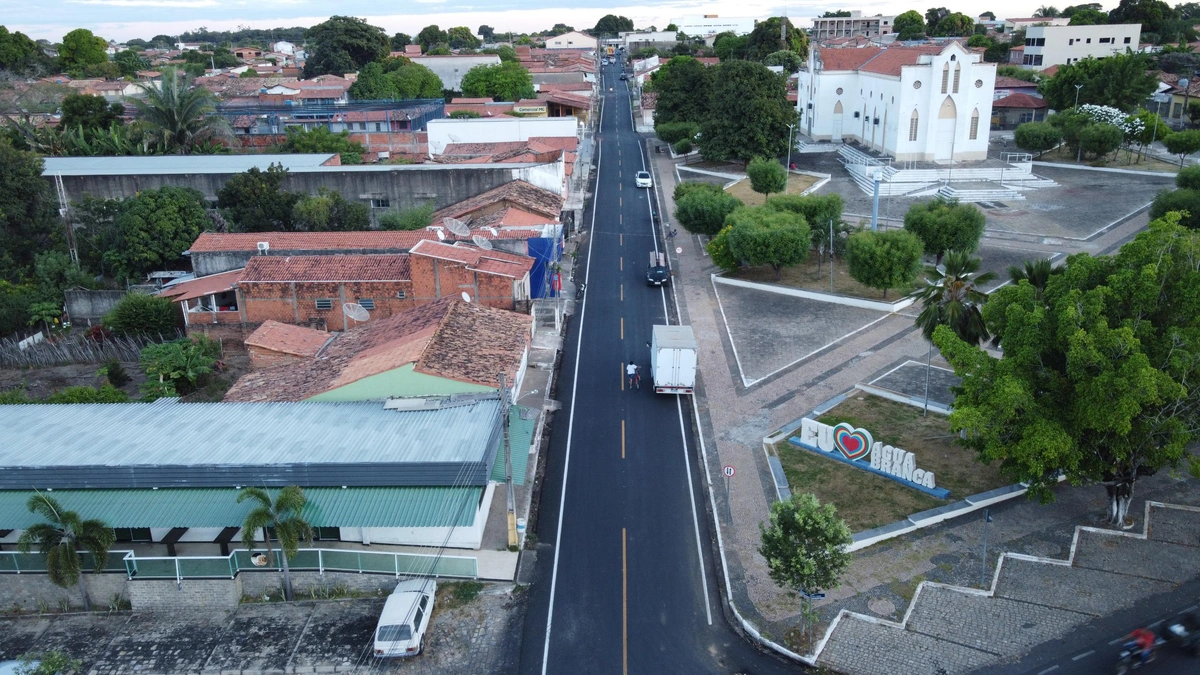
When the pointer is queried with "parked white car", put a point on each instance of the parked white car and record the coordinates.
(642, 179)
(401, 629)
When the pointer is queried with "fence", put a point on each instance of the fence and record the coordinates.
(13, 562)
(76, 348)
(306, 560)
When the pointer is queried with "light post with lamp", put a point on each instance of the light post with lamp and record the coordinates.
(1079, 151)
(1184, 83)
(789, 158)
(987, 518)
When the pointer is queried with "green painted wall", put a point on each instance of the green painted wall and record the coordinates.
(403, 381)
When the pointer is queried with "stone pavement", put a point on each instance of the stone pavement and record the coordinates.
(256, 639)
(734, 418)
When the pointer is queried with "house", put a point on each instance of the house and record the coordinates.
(876, 26)
(284, 47)
(572, 40)
(452, 67)
(923, 103)
(1006, 86)
(245, 53)
(489, 277)
(712, 24)
(188, 46)
(443, 132)
(1015, 109)
(442, 348)
(1062, 45)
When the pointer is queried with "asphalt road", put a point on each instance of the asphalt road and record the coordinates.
(626, 578)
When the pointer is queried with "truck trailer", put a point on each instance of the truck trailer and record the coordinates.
(673, 359)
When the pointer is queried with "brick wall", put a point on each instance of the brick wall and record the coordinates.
(265, 358)
(168, 595)
(434, 278)
(296, 302)
(31, 591)
(231, 336)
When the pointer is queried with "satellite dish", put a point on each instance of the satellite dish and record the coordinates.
(466, 296)
(493, 231)
(441, 235)
(481, 241)
(355, 311)
(457, 227)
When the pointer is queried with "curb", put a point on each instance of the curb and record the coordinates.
(879, 306)
(1153, 174)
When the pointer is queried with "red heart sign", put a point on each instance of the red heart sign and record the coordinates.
(854, 443)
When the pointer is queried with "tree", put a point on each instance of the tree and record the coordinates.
(909, 26)
(790, 61)
(1072, 10)
(748, 115)
(1121, 81)
(1184, 201)
(461, 37)
(764, 236)
(804, 544)
(416, 218)
(328, 211)
(1152, 14)
(80, 49)
(951, 297)
(399, 41)
(934, 16)
(945, 224)
(883, 260)
(19, 54)
(610, 23)
(139, 314)
(155, 227)
(558, 29)
(1097, 140)
(990, 16)
(28, 210)
(1188, 177)
(1182, 143)
(1037, 137)
(703, 210)
(344, 44)
(283, 515)
(730, 45)
(179, 366)
(431, 35)
(179, 116)
(130, 62)
(416, 81)
(89, 112)
(767, 38)
(1046, 12)
(255, 201)
(506, 81)
(487, 33)
(767, 176)
(1094, 380)
(1036, 273)
(683, 86)
(1089, 17)
(322, 140)
(955, 24)
(59, 540)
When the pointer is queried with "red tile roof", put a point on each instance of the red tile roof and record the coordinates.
(847, 59)
(1051, 71)
(1019, 101)
(477, 259)
(198, 288)
(1003, 82)
(518, 192)
(893, 59)
(374, 240)
(276, 269)
(288, 339)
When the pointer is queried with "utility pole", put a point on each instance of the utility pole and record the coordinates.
(508, 477)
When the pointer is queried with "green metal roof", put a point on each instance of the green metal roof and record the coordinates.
(520, 432)
(218, 507)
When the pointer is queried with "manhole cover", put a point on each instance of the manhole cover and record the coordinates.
(881, 606)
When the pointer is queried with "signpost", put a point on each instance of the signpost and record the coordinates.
(729, 471)
(808, 617)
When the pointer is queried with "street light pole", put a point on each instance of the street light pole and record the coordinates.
(1079, 150)
(789, 158)
(987, 518)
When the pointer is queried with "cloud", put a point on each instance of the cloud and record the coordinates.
(176, 4)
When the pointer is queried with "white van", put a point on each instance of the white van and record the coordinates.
(401, 629)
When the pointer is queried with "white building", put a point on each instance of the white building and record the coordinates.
(640, 39)
(876, 26)
(572, 40)
(1047, 46)
(451, 67)
(284, 47)
(926, 103)
(1011, 25)
(711, 24)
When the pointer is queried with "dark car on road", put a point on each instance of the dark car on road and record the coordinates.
(657, 273)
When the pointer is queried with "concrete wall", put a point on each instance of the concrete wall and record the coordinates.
(89, 306)
(258, 584)
(450, 69)
(29, 592)
(169, 595)
(442, 132)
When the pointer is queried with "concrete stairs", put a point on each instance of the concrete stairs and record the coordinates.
(981, 194)
(953, 629)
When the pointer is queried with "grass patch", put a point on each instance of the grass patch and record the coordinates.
(458, 593)
(1122, 160)
(865, 500)
(807, 276)
(797, 183)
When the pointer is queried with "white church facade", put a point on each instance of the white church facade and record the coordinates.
(928, 103)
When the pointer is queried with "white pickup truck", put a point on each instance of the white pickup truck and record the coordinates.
(673, 359)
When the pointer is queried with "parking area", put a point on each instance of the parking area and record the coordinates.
(909, 378)
(301, 637)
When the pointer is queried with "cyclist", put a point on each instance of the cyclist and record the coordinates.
(635, 377)
(1144, 639)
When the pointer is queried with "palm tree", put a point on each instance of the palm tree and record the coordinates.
(1046, 12)
(951, 297)
(179, 116)
(60, 538)
(284, 515)
(1036, 272)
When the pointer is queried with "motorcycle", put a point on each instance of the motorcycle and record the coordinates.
(1130, 657)
(1185, 632)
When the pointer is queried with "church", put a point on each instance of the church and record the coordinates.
(925, 103)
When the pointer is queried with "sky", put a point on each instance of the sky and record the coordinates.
(125, 19)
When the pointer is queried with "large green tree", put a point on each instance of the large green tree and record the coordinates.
(1096, 378)
(89, 112)
(730, 45)
(329, 211)
(955, 24)
(767, 38)
(612, 24)
(909, 25)
(80, 49)
(60, 537)
(28, 211)
(883, 260)
(344, 44)
(765, 236)
(19, 54)
(155, 228)
(945, 224)
(748, 115)
(1089, 17)
(431, 36)
(1121, 81)
(255, 201)
(683, 87)
(1152, 14)
(130, 62)
(322, 140)
(283, 515)
(179, 116)
(804, 544)
(952, 297)
(506, 81)
(461, 37)
(703, 210)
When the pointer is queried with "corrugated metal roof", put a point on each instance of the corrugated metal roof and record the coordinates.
(167, 443)
(218, 507)
(520, 434)
(176, 164)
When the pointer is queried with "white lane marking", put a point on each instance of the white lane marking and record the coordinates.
(1083, 655)
(687, 466)
(571, 423)
(1051, 669)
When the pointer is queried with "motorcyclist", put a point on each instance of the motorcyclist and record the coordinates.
(1144, 639)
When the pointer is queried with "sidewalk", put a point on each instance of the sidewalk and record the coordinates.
(734, 419)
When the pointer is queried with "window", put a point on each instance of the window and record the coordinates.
(1037, 59)
(324, 303)
(912, 127)
(1105, 40)
(957, 73)
(1089, 41)
(132, 534)
(367, 303)
(400, 295)
(327, 533)
(945, 77)
(974, 125)
(1126, 40)
(1070, 42)
(1041, 42)
(381, 203)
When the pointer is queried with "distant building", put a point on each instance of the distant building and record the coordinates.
(451, 68)
(284, 47)
(572, 40)
(711, 24)
(1012, 25)
(824, 28)
(1047, 46)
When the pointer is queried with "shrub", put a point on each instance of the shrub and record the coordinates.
(1098, 140)
(1037, 137)
(141, 314)
(1185, 200)
(718, 250)
(704, 211)
(463, 115)
(1188, 177)
(685, 187)
(673, 132)
(115, 373)
(683, 146)
(944, 225)
(178, 367)
(105, 394)
(883, 260)
(415, 218)
(767, 175)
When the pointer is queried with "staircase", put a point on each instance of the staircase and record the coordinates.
(979, 194)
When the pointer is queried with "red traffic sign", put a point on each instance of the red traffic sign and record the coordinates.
(729, 471)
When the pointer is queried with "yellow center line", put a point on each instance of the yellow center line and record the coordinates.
(624, 605)
(622, 439)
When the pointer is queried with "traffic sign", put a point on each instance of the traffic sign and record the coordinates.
(813, 596)
(729, 471)
(678, 249)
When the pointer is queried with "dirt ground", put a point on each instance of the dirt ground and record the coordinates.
(39, 383)
(797, 183)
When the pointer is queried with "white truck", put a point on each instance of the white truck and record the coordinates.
(673, 359)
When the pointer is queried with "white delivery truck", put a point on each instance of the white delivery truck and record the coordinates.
(673, 359)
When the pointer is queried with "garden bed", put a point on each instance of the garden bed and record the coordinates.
(808, 277)
(865, 500)
(797, 183)
(1062, 155)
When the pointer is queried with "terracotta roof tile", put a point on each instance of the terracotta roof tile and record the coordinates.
(518, 192)
(268, 269)
(382, 241)
(288, 339)
(891, 60)
(198, 288)
(1003, 82)
(1019, 101)
(847, 59)
(476, 259)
